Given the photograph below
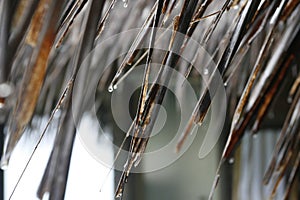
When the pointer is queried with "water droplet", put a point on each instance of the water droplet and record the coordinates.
(118, 74)
(231, 161)
(119, 195)
(4, 167)
(4, 164)
(225, 84)
(290, 99)
(205, 71)
(110, 88)
(236, 7)
(125, 3)
(271, 115)
(5, 90)
(254, 135)
(115, 87)
(176, 5)
(125, 165)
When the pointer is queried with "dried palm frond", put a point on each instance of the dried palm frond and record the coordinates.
(253, 43)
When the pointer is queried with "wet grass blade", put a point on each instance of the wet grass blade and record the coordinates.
(133, 49)
(270, 95)
(215, 22)
(105, 17)
(156, 95)
(28, 97)
(76, 9)
(142, 99)
(282, 138)
(292, 177)
(20, 31)
(204, 102)
(244, 98)
(66, 135)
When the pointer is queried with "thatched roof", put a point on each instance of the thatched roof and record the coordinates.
(57, 55)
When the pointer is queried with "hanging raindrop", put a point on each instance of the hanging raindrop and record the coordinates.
(205, 71)
(125, 3)
(119, 195)
(110, 88)
(236, 7)
(290, 99)
(271, 114)
(5, 90)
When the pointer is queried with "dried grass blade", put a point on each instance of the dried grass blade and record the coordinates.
(33, 79)
(156, 94)
(65, 138)
(282, 138)
(256, 69)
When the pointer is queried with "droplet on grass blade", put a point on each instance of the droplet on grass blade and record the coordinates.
(5, 90)
(125, 3)
(4, 166)
(290, 99)
(110, 88)
(205, 71)
(236, 7)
